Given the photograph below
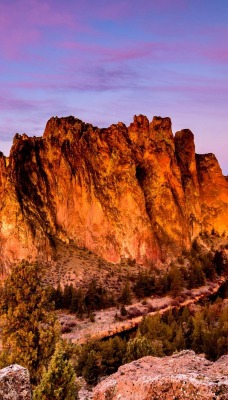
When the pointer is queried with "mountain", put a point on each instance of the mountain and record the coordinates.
(134, 192)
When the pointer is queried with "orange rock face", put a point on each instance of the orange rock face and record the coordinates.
(135, 192)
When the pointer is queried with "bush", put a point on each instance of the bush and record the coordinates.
(59, 381)
(30, 330)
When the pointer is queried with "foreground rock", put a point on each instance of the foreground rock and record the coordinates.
(14, 383)
(181, 376)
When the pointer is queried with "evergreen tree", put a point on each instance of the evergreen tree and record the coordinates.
(112, 353)
(196, 276)
(219, 263)
(81, 308)
(59, 381)
(126, 296)
(176, 280)
(58, 297)
(91, 370)
(74, 301)
(198, 333)
(30, 328)
(179, 340)
(140, 346)
(67, 296)
(145, 284)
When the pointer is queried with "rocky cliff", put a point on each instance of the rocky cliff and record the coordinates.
(181, 376)
(133, 192)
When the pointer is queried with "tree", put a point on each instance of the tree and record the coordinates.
(140, 346)
(175, 280)
(145, 284)
(92, 369)
(126, 296)
(198, 333)
(30, 328)
(196, 276)
(59, 381)
(219, 263)
(67, 296)
(58, 297)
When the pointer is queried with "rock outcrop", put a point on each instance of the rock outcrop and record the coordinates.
(136, 192)
(15, 383)
(181, 376)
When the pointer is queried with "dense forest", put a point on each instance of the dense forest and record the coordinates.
(31, 332)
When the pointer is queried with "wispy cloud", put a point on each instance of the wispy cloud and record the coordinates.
(111, 58)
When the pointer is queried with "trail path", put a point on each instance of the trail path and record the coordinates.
(107, 325)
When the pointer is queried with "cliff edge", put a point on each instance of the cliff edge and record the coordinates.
(182, 376)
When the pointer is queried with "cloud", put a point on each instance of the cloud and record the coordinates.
(125, 51)
(28, 23)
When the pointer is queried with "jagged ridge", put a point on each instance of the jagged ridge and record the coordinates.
(136, 192)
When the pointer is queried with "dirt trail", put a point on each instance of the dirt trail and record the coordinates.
(106, 325)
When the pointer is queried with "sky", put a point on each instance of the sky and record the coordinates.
(105, 61)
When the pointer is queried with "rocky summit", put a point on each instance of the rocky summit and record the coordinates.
(136, 192)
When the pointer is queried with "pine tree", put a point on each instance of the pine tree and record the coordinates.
(67, 296)
(140, 346)
(198, 333)
(59, 381)
(176, 280)
(30, 328)
(126, 296)
(91, 370)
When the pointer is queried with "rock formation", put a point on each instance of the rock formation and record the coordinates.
(136, 192)
(181, 376)
(15, 383)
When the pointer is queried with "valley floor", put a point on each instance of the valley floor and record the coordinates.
(108, 322)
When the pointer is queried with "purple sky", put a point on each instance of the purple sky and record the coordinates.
(104, 61)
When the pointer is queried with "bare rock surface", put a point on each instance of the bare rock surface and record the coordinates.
(181, 376)
(14, 383)
(134, 192)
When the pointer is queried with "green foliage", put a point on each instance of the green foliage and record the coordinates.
(175, 280)
(59, 381)
(126, 296)
(155, 329)
(158, 335)
(79, 301)
(92, 370)
(56, 296)
(220, 263)
(196, 276)
(100, 358)
(30, 328)
(206, 331)
(95, 296)
(145, 284)
(123, 311)
(141, 346)
(113, 352)
(211, 331)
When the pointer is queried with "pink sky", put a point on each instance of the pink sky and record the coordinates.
(105, 61)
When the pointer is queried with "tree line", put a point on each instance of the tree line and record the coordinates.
(204, 331)
(146, 283)
(31, 333)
